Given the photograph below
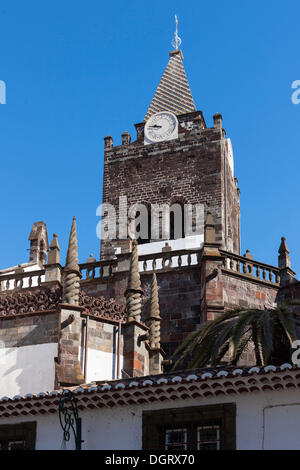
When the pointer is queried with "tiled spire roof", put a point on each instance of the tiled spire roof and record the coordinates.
(173, 92)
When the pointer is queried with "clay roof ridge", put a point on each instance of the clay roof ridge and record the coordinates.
(195, 375)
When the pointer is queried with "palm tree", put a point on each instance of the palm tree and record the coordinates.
(269, 333)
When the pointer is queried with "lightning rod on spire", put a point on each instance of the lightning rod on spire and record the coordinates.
(176, 40)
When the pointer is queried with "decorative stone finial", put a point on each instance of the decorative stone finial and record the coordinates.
(108, 142)
(91, 259)
(218, 120)
(209, 229)
(154, 316)
(284, 260)
(166, 248)
(71, 270)
(248, 255)
(126, 138)
(38, 243)
(134, 291)
(54, 253)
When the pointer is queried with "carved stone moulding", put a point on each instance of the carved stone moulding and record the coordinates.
(49, 298)
(100, 307)
(39, 300)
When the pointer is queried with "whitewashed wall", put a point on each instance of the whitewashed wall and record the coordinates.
(102, 365)
(264, 421)
(27, 369)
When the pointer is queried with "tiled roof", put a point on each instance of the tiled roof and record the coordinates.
(173, 93)
(160, 388)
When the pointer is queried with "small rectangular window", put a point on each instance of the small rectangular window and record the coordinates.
(19, 436)
(16, 445)
(208, 437)
(206, 427)
(175, 439)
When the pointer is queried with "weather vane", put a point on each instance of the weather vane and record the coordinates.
(176, 41)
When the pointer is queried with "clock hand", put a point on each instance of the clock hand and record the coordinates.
(156, 126)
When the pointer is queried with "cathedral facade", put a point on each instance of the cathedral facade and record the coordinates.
(122, 316)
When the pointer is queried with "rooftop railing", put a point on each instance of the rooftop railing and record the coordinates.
(159, 262)
(251, 268)
(22, 280)
(179, 259)
(98, 269)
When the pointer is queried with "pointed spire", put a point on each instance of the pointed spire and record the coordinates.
(71, 270)
(54, 253)
(154, 316)
(134, 291)
(173, 92)
(284, 260)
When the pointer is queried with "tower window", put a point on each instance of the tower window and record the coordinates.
(141, 218)
(145, 234)
(176, 221)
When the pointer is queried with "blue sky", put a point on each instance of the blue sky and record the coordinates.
(77, 71)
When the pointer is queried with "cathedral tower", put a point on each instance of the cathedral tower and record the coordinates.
(175, 160)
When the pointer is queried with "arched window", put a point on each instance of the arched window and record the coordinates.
(140, 216)
(177, 221)
(143, 232)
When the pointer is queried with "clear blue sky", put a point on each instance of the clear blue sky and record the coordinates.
(77, 71)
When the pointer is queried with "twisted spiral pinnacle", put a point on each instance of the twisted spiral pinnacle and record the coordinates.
(154, 316)
(134, 306)
(71, 280)
(134, 290)
(134, 281)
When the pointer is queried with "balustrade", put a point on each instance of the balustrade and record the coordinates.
(251, 268)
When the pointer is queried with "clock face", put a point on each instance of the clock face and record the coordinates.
(161, 126)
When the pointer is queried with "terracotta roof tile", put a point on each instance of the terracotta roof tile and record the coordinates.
(160, 388)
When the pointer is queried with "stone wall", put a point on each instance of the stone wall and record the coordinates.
(191, 295)
(28, 347)
(240, 292)
(189, 169)
(179, 298)
(29, 330)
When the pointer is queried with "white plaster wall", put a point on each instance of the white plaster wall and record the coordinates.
(258, 425)
(27, 369)
(230, 156)
(281, 426)
(187, 243)
(102, 365)
(194, 241)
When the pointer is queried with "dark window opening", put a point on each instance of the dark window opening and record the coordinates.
(143, 234)
(20, 436)
(42, 252)
(204, 437)
(210, 427)
(176, 221)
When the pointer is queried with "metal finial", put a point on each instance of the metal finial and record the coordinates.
(176, 41)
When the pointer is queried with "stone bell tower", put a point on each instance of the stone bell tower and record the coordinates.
(175, 159)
